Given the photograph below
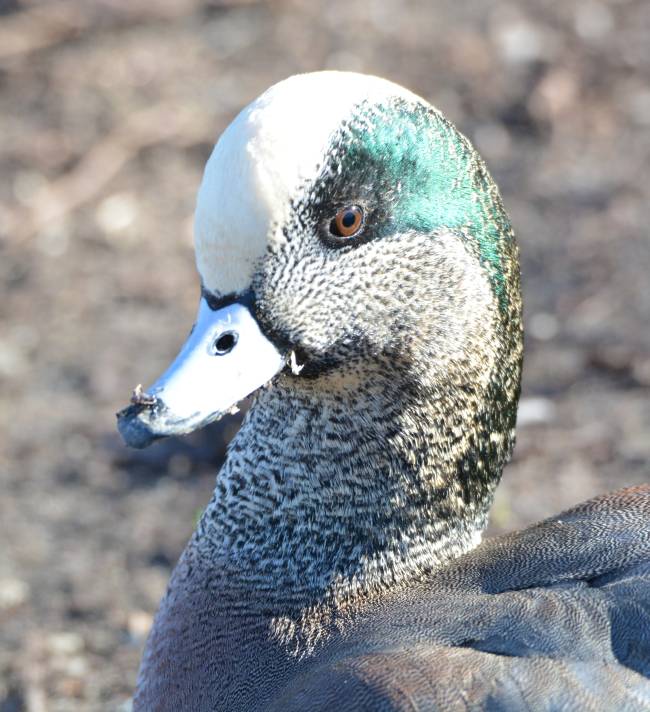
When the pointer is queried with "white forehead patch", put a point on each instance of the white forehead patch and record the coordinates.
(260, 163)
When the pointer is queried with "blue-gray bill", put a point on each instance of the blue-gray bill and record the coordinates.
(225, 358)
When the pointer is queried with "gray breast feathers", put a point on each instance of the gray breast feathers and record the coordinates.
(554, 617)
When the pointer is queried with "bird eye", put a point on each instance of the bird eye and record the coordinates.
(347, 222)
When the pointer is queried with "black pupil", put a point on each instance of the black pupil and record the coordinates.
(349, 218)
(225, 343)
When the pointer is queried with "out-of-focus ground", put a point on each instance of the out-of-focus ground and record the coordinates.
(108, 110)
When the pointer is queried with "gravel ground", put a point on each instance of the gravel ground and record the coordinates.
(108, 110)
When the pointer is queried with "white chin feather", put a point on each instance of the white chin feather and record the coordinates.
(260, 164)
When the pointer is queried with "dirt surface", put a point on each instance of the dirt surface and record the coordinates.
(108, 110)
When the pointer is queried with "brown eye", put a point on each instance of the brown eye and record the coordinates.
(347, 222)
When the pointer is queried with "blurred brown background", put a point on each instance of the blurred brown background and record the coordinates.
(108, 111)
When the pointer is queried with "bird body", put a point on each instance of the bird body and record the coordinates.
(360, 276)
(554, 617)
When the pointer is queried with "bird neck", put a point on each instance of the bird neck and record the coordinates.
(350, 483)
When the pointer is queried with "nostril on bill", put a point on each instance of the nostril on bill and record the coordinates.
(224, 343)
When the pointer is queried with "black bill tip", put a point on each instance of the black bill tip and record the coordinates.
(141, 424)
(135, 429)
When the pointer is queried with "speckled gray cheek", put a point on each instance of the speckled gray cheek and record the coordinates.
(456, 470)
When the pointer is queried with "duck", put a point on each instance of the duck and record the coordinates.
(360, 281)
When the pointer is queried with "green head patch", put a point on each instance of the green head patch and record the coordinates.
(429, 175)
